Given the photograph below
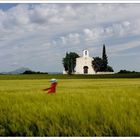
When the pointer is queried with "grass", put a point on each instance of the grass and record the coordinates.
(81, 107)
(62, 76)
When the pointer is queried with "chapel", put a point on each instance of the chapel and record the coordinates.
(84, 64)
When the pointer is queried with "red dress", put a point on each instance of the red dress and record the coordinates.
(52, 89)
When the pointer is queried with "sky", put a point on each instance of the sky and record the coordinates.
(38, 36)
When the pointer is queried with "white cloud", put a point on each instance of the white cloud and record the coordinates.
(125, 46)
(72, 38)
(36, 31)
(93, 34)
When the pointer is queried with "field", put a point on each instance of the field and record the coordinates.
(80, 107)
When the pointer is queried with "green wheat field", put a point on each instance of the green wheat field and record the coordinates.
(80, 107)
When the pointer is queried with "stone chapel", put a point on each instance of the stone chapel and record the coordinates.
(84, 64)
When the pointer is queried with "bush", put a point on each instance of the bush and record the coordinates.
(34, 72)
(109, 69)
(126, 71)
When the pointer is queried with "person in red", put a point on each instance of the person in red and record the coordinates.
(52, 88)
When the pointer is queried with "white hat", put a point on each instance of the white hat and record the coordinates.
(53, 80)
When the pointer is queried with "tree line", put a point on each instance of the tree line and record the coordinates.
(98, 64)
(33, 72)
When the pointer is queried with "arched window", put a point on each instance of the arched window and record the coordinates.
(85, 53)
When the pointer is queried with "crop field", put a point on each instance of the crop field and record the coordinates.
(80, 107)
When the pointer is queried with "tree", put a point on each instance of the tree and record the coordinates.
(66, 62)
(98, 64)
(104, 58)
(101, 64)
(33, 72)
(69, 62)
(127, 71)
(109, 69)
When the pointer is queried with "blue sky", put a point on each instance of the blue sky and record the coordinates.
(6, 6)
(37, 36)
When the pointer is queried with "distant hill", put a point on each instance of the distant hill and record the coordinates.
(17, 71)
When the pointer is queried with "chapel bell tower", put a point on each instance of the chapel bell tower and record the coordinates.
(85, 53)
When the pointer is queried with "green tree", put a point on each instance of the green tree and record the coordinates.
(98, 64)
(66, 62)
(109, 69)
(101, 64)
(69, 62)
(104, 58)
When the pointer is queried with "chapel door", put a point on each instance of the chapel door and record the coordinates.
(85, 68)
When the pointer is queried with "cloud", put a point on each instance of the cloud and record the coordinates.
(102, 33)
(125, 46)
(39, 32)
(72, 38)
